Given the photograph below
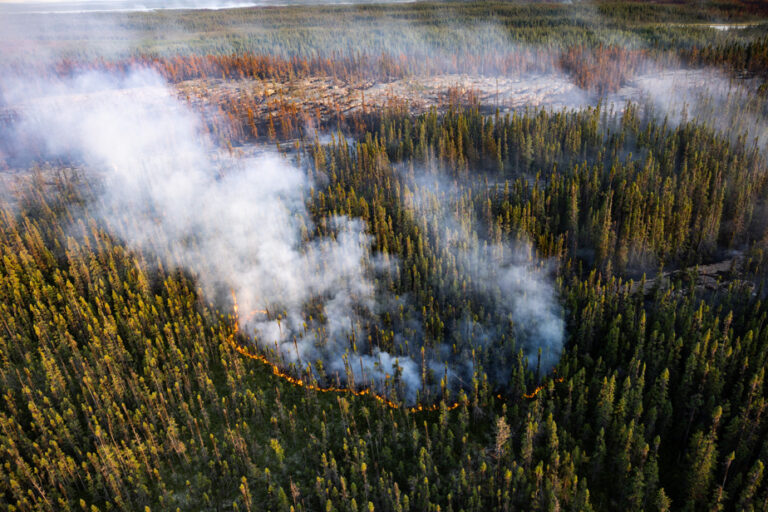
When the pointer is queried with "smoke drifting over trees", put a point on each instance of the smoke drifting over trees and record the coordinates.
(505, 275)
(241, 224)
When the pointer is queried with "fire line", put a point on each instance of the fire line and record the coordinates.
(334, 389)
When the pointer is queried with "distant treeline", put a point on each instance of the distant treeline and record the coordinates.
(432, 28)
(603, 68)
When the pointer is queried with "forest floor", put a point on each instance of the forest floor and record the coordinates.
(327, 96)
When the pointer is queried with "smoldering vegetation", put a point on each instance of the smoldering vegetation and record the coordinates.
(241, 225)
(236, 225)
(411, 54)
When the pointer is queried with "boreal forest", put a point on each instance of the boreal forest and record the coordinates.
(398, 256)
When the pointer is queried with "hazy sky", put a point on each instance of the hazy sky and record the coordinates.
(88, 6)
(62, 1)
(51, 1)
(62, 6)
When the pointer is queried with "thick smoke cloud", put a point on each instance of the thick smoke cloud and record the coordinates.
(236, 224)
(241, 224)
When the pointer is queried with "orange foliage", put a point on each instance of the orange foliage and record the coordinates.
(603, 69)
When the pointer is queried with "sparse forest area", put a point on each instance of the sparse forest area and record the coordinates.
(544, 304)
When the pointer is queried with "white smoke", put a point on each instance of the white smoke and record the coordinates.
(237, 224)
(730, 106)
(241, 224)
(503, 275)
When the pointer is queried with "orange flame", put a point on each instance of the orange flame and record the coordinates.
(535, 392)
(236, 308)
(331, 389)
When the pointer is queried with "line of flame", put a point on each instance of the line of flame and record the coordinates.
(535, 392)
(334, 389)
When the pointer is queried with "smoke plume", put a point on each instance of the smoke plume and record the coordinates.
(241, 224)
(238, 224)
